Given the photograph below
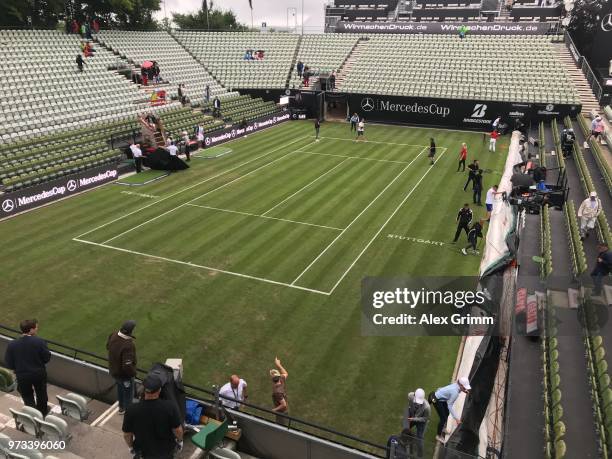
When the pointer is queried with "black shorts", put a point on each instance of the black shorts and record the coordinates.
(595, 134)
(359, 133)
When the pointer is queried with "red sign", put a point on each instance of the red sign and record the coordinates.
(521, 301)
(532, 314)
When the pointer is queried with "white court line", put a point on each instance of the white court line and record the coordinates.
(191, 186)
(351, 157)
(374, 141)
(193, 265)
(304, 187)
(385, 224)
(197, 197)
(360, 214)
(264, 216)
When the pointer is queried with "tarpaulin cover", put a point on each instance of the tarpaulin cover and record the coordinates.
(161, 160)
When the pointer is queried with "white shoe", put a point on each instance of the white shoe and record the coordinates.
(440, 438)
(463, 252)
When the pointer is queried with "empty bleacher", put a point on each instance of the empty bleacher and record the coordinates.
(43, 91)
(175, 63)
(492, 67)
(223, 55)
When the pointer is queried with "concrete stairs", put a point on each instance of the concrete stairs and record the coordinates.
(348, 64)
(585, 93)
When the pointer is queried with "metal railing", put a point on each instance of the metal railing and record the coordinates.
(585, 67)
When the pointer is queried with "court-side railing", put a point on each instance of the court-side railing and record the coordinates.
(584, 66)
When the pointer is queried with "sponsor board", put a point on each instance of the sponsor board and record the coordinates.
(466, 114)
(226, 135)
(474, 28)
(32, 197)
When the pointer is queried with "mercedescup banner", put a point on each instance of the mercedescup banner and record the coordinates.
(39, 195)
(475, 28)
(219, 137)
(466, 114)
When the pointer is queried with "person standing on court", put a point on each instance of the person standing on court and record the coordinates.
(27, 357)
(462, 158)
(432, 151)
(137, 155)
(317, 126)
(490, 199)
(361, 131)
(464, 218)
(495, 124)
(354, 120)
(473, 235)
(473, 168)
(235, 391)
(493, 140)
(122, 363)
(477, 187)
(152, 428)
(443, 400)
(279, 391)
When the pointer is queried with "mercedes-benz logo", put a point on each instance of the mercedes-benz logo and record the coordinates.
(606, 23)
(207, 141)
(367, 104)
(8, 205)
(255, 125)
(550, 108)
(287, 92)
(71, 185)
(233, 133)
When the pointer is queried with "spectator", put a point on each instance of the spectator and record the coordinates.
(95, 25)
(300, 68)
(490, 199)
(80, 62)
(207, 94)
(462, 158)
(172, 148)
(181, 93)
(496, 122)
(443, 400)
(83, 30)
(27, 357)
(463, 30)
(432, 151)
(602, 268)
(588, 212)
(477, 188)
(217, 107)
(597, 130)
(317, 126)
(361, 130)
(122, 361)
(137, 155)
(464, 218)
(332, 81)
(279, 391)
(88, 32)
(354, 120)
(152, 428)
(74, 26)
(236, 390)
(473, 168)
(493, 140)
(416, 415)
(187, 144)
(473, 235)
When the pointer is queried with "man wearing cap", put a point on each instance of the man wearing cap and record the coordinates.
(417, 414)
(235, 389)
(279, 392)
(122, 363)
(152, 427)
(597, 129)
(443, 400)
(588, 212)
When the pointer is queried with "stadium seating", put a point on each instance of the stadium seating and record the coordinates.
(323, 53)
(236, 109)
(520, 69)
(223, 55)
(175, 63)
(73, 406)
(44, 92)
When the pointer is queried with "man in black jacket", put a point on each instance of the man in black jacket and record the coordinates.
(464, 218)
(473, 236)
(473, 168)
(477, 187)
(27, 356)
(122, 363)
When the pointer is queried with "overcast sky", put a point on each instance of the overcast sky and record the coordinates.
(273, 12)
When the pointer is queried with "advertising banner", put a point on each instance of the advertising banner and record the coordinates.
(35, 196)
(225, 135)
(474, 28)
(465, 114)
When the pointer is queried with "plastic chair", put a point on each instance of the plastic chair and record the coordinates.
(25, 420)
(53, 428)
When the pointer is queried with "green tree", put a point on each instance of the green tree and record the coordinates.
(31, 13)
(584, 20)
(208, 18)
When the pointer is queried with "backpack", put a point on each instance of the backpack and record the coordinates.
(396, 449)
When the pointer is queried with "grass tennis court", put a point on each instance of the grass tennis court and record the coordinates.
(260, 253)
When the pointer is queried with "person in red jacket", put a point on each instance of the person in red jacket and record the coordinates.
(493, 140)
(462, 158)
